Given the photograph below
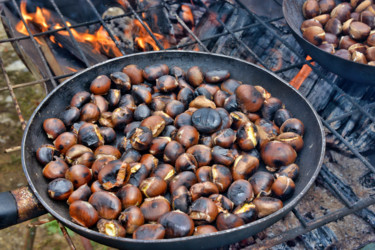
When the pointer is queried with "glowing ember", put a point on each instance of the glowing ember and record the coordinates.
(100, 40)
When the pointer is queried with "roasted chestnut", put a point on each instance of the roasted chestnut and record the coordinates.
(101, 102)
(185, 178)
(203, 189)
(89, 135)
(172, 151)
(142, 112)
(276, 154)
(181, 199)
(204, 174)
(53, 127)
(153, 72)
(166, 83)
(155, 123)
(111, 228)
(310, 9)
(203, 210)
(122, 81)
(247, 212)
(267, 205)
(121, 117)
(149, 232)
(204, 229)
(187, 136)
(153, 208)
(60, 189)
(130, 195)
(244, 166)
(134, 73)
(248, 98)
(131, 218)
(107, 204)
(153, 186)
(177, 224)
(240, 191)
(291, 138)
(227, 220)
(158, 145)
(64, 141)
(206, 120)
(186, 162)
(202, 101)
(283, 187)
(293, 125)
(201, 153)
(140, 138)
(194, 76)
(247, 136)
(83, 213)
(78, 175)
(221, 177)
(261, 183)
(222, 202)
(100, 85)
(90, 113)
(113, 174)
(46, 153)
(82, 193)
(55, 169)
(80, 99)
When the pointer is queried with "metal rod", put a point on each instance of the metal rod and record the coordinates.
(348, 114)
(191, 32)
(36, 45)
(67, 28)
(114, 39)
(260, 61)
(299, 217)
(347, 144)
(330, 217)
(11, 92)
(66, 235)
(127, 5)
(30, 237)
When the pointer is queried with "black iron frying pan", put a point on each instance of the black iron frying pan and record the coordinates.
(309, 159)
(356, 72)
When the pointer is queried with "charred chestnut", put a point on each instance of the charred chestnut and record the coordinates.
(164, 171)
(227, 220)
(149, 232)
(64, 141)
(60, 189)
(203, 174)
(155, 123)
(181, 199)
(183, 119)
(247, 212)
(80, 99)
(140, 138)
(130, 195)
(248, 98)
(174, 108)
(111, 228)
(293, 125)
(153, 186)
(78, 175)
(83, 213)
(89, 135)
(121, 117)
(153, 72)
(70, 115)
(270, 106)
(290, 171)
(201, 153)
(291, 138)
(134, 73)
(131, 218)
(166, 83)
(177, 224)
(222, 202)
(186, 179)
(267, 205)
(154, 208)
(138, 172)
(204, 189)
(100, 85)
(46, 153)
(203, 209)
(121, 80)
(107, 204)
(172, 151)
(283, 187)
(186, 162)
(185, 96)
(204, 229)
(141, 94)
(53, 127)
(158, 145)
(194, 76)
(113, 174)
(221, 177)
(240, 191)
(247, 136)
(75, 152)
(261, 183)
(244, 166)
(55, 169)
(216, 75)
(90, 113)
(276, 154)
(82, 193)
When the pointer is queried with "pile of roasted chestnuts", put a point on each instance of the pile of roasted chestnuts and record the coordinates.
(159, 153)
(345, 30)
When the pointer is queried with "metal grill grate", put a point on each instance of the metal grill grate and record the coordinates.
(354, 205)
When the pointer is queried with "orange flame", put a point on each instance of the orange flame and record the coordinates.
(144, 39)
(187, 15)
(100, 40)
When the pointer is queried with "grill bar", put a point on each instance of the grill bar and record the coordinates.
(67, 28)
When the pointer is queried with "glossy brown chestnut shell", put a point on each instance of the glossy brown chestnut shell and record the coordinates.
(83, 213)
(227, 220)
(53, 127)
(153, 208)
(130, 195)
(177, 224)
(60, 189)
(107, 204)
(131, 218)
(149, 232)
(276, 154)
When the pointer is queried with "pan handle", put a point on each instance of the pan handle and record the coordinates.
(19, 205)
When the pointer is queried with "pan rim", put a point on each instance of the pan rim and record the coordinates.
(94, 233)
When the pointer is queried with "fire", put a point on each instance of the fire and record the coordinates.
(187, 16)
(144, 40)
(42, 18)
